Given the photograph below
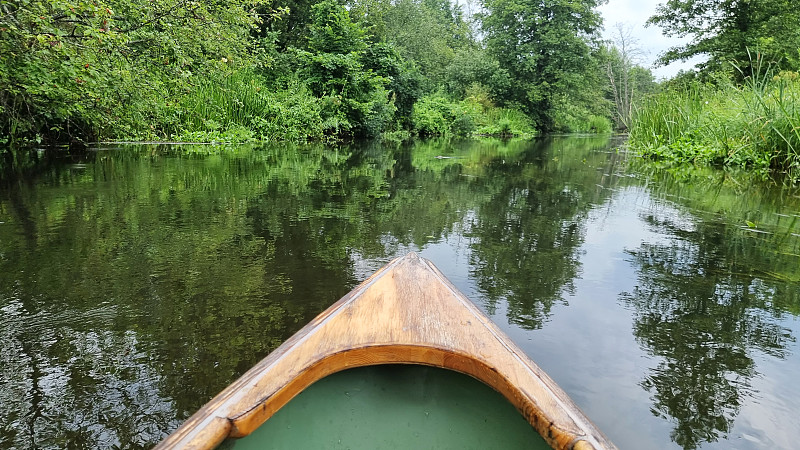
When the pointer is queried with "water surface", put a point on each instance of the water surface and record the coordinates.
(138, 281)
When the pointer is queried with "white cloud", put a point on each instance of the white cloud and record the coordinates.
(634, 14)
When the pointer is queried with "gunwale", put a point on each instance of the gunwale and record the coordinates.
(405, 313)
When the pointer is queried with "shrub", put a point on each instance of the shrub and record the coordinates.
(756, 124)
(434, 115)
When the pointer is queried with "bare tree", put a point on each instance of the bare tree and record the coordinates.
(624, 55)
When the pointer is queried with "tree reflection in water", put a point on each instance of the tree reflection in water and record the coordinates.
(701, 311)
(137, 283)
(528, 233)
(67, 380)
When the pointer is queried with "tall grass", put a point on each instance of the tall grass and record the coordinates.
(668, 118)
(504, 122)
(569, 118)
(436, 115)
(243, 107)
(755, 124)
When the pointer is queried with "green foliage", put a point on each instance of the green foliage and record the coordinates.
(239, 108)
(725, 30)
(476, 66)
(545, 47)
(570, 116)
(583, 122)
(100, 68)
(426, 33)
(754, 125)
(405, 81)
(355, 99)
(436, 115)
(503, 122)
(332, 31)
(247, 70)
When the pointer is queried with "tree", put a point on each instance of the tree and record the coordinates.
(356, 99)
(475, 66)
(545, 46)
(627, 80)
(80, 67)
(288, 28)
(426, 33)
(404, 83)
(731, 30)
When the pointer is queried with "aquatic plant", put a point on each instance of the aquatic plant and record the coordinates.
(755, 124)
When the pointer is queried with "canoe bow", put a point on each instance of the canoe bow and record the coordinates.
(405, 313)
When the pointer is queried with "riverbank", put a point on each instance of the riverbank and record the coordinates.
(317, 71)
(755, 124)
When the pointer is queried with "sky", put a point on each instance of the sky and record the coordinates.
(634, 13)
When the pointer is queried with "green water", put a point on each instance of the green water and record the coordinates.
(391, 407)
(138, 281)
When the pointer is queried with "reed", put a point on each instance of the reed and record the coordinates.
(504, 122)
(755, 124)
(243, 106)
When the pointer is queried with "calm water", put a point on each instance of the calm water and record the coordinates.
(136, 282)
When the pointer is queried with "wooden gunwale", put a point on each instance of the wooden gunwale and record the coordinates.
(405, 313)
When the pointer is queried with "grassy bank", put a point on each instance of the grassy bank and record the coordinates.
(438, 115)
(247, 107)
(754, 125)
(80, 71)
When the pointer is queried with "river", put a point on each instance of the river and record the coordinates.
(136, 281)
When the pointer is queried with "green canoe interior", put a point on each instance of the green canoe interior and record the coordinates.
(395, 406)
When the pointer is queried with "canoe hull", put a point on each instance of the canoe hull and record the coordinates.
(395, 406)
(406, 313)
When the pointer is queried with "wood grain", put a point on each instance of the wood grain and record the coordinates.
(406, 313)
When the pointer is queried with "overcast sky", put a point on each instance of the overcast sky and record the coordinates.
(634, 13)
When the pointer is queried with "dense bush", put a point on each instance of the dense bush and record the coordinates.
(437, 115)
(756, 124)
(405, 81)
(89, 69)
(81, 70)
